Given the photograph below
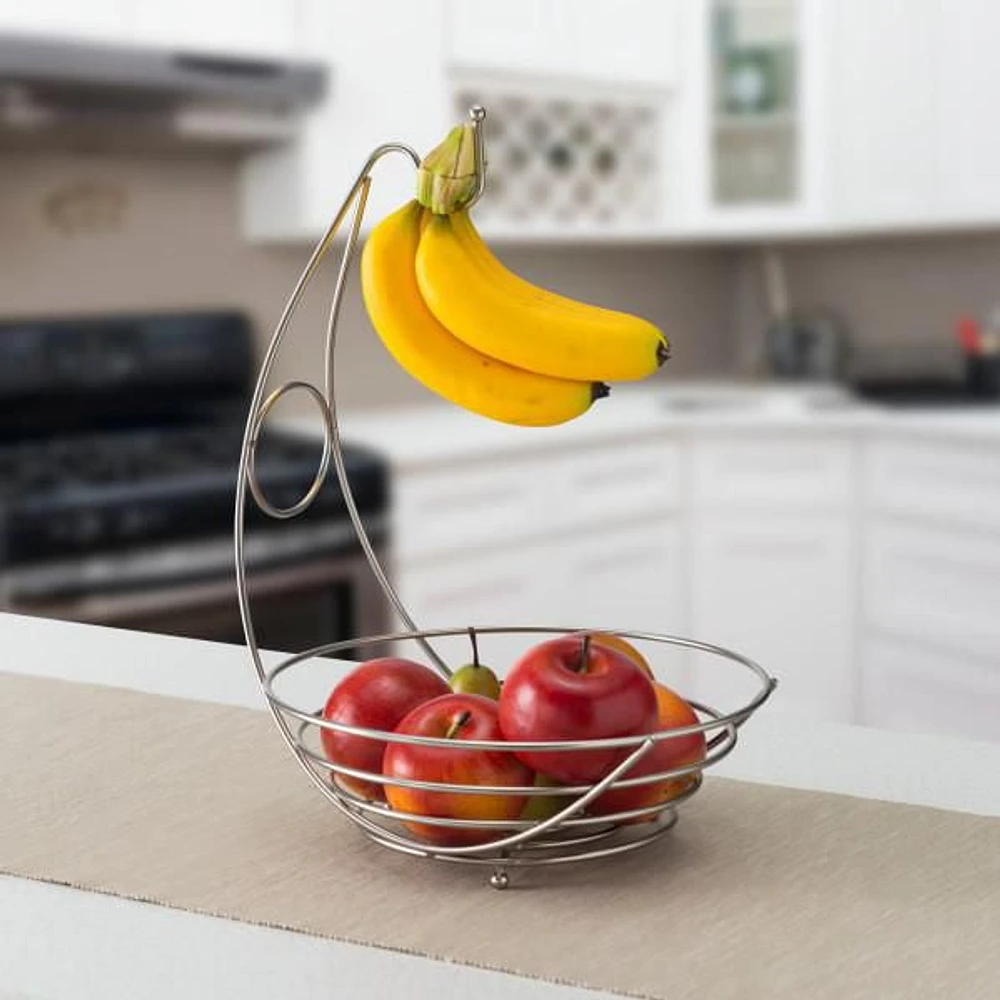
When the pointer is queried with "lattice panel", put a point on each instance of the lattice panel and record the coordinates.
(567, 161)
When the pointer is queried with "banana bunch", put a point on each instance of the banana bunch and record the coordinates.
(470, 330)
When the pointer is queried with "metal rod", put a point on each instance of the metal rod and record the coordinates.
(478, 115)
(251, 433)
(338, 454)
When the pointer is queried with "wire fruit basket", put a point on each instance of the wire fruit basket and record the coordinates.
(569, 829)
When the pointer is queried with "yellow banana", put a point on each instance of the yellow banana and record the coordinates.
(519, 289)
(493, 310)
(447, 366)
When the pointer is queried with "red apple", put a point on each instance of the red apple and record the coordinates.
(457, 717)
(674, 713)
(375, 695)
(574, 689)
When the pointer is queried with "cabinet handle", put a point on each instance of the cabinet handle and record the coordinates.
(937, 564)
(485, 497)
(765, 462)
(615, 560)
(776, 546)
(488, 588)
(612, 478)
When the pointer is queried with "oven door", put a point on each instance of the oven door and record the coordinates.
(297, 602)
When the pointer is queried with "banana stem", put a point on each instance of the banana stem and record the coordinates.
(452, 175)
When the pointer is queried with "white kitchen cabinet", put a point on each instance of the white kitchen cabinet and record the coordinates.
(967, 147)
(586, 535)
(751, 141)
(624, 41)
(618, 577)
(763, 471)
(885, 67)
(415, 81)
(514, 36)
(858, 562)
(911, 686)
(630, 578)
(930, 584)
(912, 86)
(931, 541)
(938, 481)
(772, 569)
(942, 585)
(533, 495)
(96, 20)
(779, 588)
(621, 577)
(503, 587)
(261, 28)
(387, 82)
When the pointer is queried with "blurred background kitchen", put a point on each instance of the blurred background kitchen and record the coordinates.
(805, 194)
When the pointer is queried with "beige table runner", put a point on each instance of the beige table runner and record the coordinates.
(758, 892)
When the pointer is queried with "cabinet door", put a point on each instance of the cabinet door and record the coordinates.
(264, 27)
(940, 584)
(617, 40)
(516, 35)
(488, 589)
(913, 687)
(777, 588)
(621, 40)
(627, 578)
(885, 112)
(387, 82)
(968, 146)
(99, 20)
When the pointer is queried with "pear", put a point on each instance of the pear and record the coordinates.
(541, 807)
(474, 678)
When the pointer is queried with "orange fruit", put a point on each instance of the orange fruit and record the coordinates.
(611, 641)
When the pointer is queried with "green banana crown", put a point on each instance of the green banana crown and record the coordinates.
(446, 179)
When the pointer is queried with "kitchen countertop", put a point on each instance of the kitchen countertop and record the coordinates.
(425, 434)
(65, 943)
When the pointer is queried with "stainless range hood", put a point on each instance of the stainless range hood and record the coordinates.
(61, 92)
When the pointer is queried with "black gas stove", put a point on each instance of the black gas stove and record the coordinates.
(119, 448)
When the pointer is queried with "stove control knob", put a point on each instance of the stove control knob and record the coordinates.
(132, 523)
(87, 527)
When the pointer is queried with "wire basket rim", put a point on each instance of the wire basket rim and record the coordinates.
(718, 721)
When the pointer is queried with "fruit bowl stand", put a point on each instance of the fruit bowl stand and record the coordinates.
(568, 833)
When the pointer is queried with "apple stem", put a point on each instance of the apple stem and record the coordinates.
(584, 651)
(475, 646)
(457, 724)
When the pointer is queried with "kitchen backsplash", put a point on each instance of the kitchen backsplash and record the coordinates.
(100, 234)
(889, 291)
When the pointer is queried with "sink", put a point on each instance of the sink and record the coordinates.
(766, 398)
(692, 403)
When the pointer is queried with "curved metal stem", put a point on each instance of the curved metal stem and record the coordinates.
(337, 451)
(258, 409)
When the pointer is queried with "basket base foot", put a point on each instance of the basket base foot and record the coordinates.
(499, 879)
